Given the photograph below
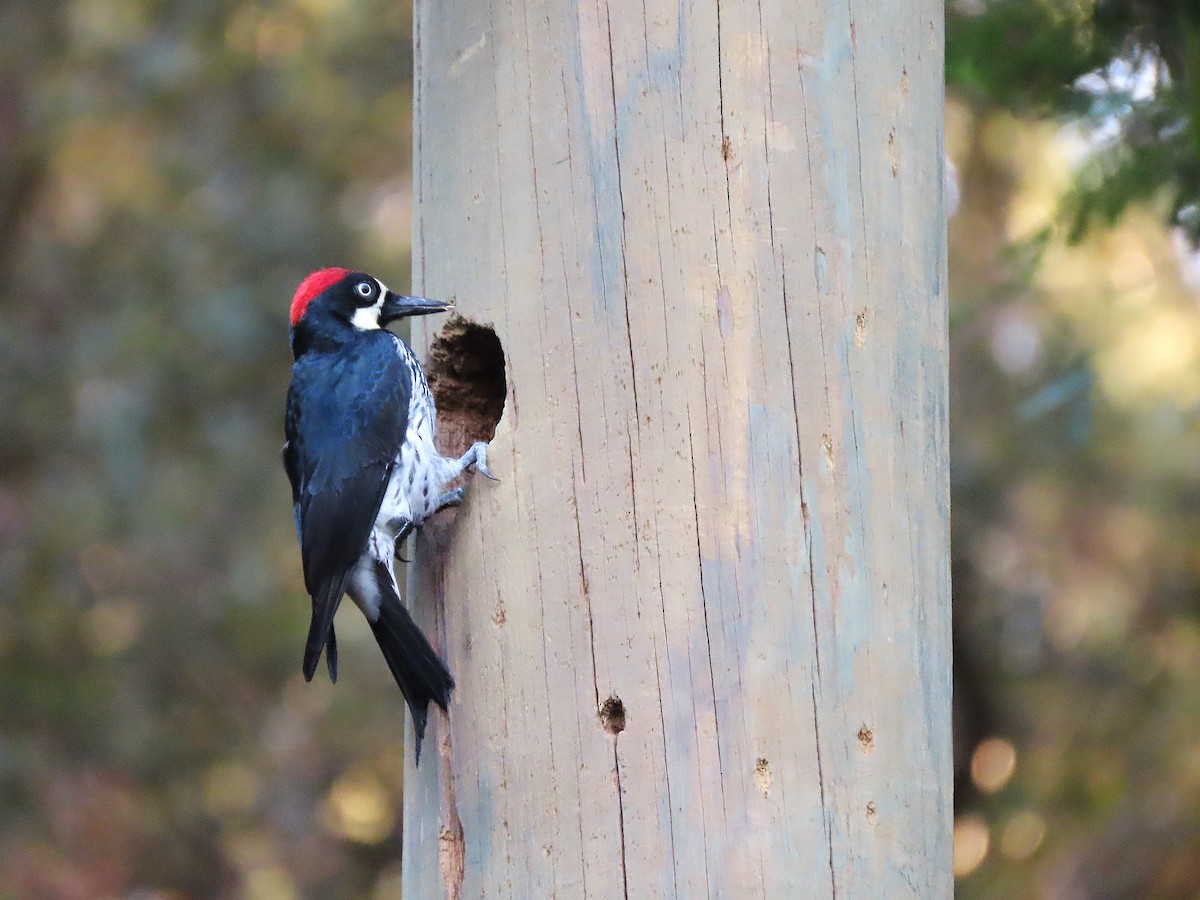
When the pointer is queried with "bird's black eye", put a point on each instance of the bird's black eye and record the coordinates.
(364, 289)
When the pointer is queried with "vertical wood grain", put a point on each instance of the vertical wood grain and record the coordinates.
(710, 237)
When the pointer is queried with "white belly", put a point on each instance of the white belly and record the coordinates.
(420, 474)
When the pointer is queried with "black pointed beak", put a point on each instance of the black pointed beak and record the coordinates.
(396, 306)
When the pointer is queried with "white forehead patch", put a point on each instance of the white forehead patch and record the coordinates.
(367, 317)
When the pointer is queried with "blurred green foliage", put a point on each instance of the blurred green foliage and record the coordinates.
(166, 171)
(1126, 70)
(1075, 446)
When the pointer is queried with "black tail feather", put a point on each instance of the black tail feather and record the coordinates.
(331, 654)
(320, 628)
(418, 670)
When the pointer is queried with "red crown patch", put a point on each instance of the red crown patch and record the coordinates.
(311, 287)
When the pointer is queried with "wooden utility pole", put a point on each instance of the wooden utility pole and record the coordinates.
(701, 626)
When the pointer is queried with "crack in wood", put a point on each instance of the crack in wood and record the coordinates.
(621, 819)
(662, 724)
(726, 146)
(452, 847)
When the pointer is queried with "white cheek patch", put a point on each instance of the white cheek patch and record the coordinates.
(367, 317)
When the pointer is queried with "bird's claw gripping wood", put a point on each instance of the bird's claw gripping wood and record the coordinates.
(448, 500)
(405, 530)
(477, 456)
(451, 499)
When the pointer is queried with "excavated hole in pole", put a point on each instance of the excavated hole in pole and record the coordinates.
(465, 371)
(466, 374)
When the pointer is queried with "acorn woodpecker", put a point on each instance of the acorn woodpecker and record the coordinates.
(360, 455)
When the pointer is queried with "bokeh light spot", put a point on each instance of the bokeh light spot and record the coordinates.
(113, 626)
(971, 840)
(992, 764)
(359, 808)
(1022, 836)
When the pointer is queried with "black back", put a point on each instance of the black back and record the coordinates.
(347, 412)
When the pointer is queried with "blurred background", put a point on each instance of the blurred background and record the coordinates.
(166, 168)
(168, 173)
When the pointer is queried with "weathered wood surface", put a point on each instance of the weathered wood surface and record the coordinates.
(710, 237)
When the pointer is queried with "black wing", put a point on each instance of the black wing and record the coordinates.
(347, 413)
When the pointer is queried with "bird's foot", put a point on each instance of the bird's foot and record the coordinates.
(477, 456)
(450, 498)
(405, 530)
